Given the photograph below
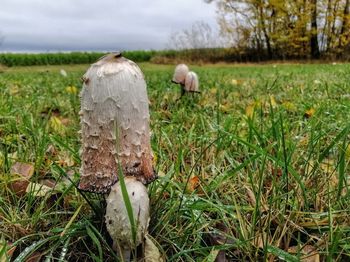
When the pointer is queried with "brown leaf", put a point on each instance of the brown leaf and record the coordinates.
(65, 121)
(23, 169)
(23, 172)
(51, 150)
(48, 182)
(259, 239)
(251, 196)
(308, 253)
(166, 195)
(276, 172)
(193, 183)
(65, 160)
(220, 237)
(11, 250)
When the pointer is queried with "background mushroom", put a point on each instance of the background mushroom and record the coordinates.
(116, 136)
(180, 73)
(188, 80)
(191, 82)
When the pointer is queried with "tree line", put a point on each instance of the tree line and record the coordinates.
(287, 29)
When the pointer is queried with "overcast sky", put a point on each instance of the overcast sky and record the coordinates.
(106, 25)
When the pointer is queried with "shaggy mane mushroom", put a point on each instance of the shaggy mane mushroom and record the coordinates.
(188, 80)
(114, 124)
(115, 133)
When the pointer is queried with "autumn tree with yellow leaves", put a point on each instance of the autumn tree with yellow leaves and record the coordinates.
(287, 29)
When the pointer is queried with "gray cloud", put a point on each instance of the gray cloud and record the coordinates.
(41, 25)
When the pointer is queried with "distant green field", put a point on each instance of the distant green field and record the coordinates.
(255, 167)
(13, 59)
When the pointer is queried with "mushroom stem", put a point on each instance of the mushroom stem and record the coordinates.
(183, 91)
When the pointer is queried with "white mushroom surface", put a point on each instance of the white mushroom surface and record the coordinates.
(114, 124)
(191, 82)
(117, 220)
(180, 73)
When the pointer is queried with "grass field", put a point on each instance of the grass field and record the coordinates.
(255, 168)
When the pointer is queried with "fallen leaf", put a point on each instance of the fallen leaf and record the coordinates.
(308, 253)
(22, 173)
(65, 121)
(309, 113)
(251, 196)
(51, 150)
(303, 141)
(38, 190)
(289, 106)
(273, 101)
(166, 195)
(23, 169)
(56, 125)
(276, 172)
(161, 174)
(220, 236)
(234, 82)
(193, 183)
(11, 251)
(213, 91)
(152, 253)
(249, 111)
(65, 160)
(48, 182)
(224, 108)
(259, 240)
(71, 90)
(14, 90)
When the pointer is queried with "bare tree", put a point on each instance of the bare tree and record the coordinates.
(200, 35)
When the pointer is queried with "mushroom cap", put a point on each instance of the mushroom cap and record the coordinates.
(180, 73)
(117, 219)
(114, 124)
(191, 82)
